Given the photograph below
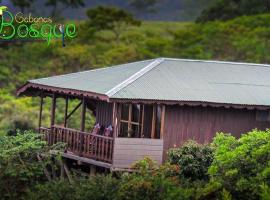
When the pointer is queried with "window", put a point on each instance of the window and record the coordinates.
(130, 120)
(262, 115)
(141, 121)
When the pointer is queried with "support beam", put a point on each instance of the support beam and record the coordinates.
(40, 112)
(66, 112)
(53, 110)
(69, 115)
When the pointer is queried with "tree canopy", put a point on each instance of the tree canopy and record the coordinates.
(22, 4)
(110, 18)
(229, 9)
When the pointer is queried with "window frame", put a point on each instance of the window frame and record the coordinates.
(129, 121)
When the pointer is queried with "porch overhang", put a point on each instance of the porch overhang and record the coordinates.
(34, 89)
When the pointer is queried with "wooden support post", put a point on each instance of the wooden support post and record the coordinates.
(114, 120)
(142, 126)
(40, 112)
(83, 115)
(53, 110)
(129, 118)
(66, 112)
(82, 124)
(162, 122)
(153, 130)
(92, 170)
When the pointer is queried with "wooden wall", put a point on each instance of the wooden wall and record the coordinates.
(202, 123)
(129, 150)
(104, 112)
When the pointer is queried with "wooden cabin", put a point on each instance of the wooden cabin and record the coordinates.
(144, 108)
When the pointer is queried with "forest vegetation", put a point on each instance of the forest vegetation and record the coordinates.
(228, 168)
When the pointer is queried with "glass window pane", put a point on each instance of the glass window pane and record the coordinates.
(123, 129)
(136, 113)
(134, 131)
(125, 112)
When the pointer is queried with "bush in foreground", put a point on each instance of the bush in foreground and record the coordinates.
(193, 159)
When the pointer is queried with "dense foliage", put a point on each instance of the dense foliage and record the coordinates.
(242, 166)
(23, 159)
(233, 169)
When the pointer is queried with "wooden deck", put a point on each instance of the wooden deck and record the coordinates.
(87, 145)
(115, 154)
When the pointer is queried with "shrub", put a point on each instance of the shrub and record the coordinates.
(242, 165)
(193, 160)
(151, 182)
(96, 188)
(20, 168)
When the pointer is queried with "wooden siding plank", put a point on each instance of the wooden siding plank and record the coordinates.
(129, 150)
(141, 141)
(146, 147)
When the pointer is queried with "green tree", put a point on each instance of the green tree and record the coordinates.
(22, 4)
(228, 9)
(193, 8)
(110, 18)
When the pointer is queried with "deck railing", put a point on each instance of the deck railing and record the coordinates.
(84, 144)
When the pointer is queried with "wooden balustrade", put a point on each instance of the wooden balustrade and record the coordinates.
(84, 144)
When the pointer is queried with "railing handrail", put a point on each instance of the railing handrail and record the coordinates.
(69, 129)
(44, 128)
(74, 130)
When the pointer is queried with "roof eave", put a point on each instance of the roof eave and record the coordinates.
(191, 103)
(34, 89)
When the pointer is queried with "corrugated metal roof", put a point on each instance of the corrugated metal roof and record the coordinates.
(98, 81)
(175, 80)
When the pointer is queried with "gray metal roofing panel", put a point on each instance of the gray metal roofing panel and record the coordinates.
(218, 82)
(98, 81)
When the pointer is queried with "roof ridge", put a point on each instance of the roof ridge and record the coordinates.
(92, 70)
(134, 77)
(219, 62)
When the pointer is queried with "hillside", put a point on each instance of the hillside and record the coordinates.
(243, 39)
(167, 10)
